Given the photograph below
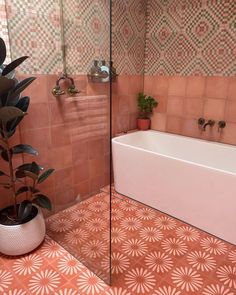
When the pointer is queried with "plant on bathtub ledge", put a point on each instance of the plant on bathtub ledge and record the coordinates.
(146, 104)
(22, 226)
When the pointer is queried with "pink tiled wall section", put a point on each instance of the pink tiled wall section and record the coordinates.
(128, 36)
(191, 38)
(71, 135)
(124, 102)
(182, 100)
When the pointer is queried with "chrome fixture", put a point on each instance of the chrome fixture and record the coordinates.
(210, 123)
(72, 90)
(101, 73)
(221, 125)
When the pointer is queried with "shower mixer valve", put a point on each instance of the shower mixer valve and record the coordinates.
(203, 124)
(72, 90)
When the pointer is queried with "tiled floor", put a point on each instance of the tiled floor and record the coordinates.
(151, 254)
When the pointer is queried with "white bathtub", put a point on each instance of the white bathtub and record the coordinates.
(193, 180)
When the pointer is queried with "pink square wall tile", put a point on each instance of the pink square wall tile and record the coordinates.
(63, 179)
(81, 172)
(230, 111)
(174, 124)
(175, 106)
(40, 137)
(162, 103)
(37, 90)
(195, 87)
(214, 109)
(79, 152)
(177, 86)
(133, 105)
(190, 128)
(217, 87)
(133, 121)
(229, 134)
(61, 157)
(150, 86)
(82, 188)
(95, 148)
(37, 117)
(193, 108)
(232, 88)
(158, 122)
(60, 136)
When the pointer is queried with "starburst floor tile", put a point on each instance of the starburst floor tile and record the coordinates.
(152, 253)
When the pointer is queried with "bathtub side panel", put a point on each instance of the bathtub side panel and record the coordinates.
(203, 197)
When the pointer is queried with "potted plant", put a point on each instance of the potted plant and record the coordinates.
(146, 104)
(22, 226)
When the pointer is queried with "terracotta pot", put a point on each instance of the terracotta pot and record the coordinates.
(144, 124)
(22, 238)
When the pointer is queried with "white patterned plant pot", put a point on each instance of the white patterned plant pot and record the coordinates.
(23, 238)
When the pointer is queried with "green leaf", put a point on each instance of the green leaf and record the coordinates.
(21, 86)
(45, 175)
(3, 51)
(10, 67)
(24, 210)
(22, 174)
(4, 155)
(2, 173)
(24, 148)
(25, 189)
(10, 113)
(43, 201)
(6, 84)
(23, 103)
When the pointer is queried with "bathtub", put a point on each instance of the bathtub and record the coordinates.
(190, 179)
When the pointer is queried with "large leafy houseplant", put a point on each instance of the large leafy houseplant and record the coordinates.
(26, 178)
(146, 103)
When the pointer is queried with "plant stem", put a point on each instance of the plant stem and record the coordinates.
(12, 180)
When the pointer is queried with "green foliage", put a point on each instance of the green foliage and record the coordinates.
(13, 108)
(146, 104)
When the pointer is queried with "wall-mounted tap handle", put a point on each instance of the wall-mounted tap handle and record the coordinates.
(210, 123)
(201, 121)
(221, 125)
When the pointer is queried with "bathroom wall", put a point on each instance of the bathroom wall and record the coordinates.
(70, 133)
(128, 43)
(190, 66)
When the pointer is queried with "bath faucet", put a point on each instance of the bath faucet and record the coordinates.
(210, 123)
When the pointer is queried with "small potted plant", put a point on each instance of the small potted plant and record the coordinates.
(146, 104)
(22, 226)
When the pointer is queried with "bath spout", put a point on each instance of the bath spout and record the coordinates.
(210, 123)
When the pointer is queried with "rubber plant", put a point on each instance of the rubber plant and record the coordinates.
(26, 178)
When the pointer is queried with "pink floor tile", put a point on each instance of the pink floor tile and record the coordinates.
(152, 253)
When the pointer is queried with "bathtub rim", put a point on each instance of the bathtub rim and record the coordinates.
(114, 140)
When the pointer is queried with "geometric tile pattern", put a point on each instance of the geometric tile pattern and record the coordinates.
(152, 254)
(128, 36)
(4, 29)
(191, 37)
(34, 30)
(186, 37)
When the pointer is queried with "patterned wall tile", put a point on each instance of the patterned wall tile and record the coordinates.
(128, 35)
(34, 30)
(4, 29)
(192, 37)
